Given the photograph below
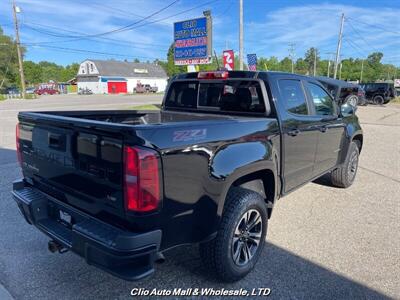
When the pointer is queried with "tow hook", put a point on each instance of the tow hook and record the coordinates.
(54, 246)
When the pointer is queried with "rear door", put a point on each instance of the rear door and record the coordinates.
(299, 133)
(330, 128)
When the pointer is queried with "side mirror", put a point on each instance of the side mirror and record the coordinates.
(347, 109)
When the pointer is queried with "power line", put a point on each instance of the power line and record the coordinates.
(354, 46)
(374, 25)
(100, 39)
(105, 41)
(361, 37)
(131, 25)
(80, 37)
(74, 50)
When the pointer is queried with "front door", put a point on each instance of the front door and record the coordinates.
(300, 134)
(331, 128)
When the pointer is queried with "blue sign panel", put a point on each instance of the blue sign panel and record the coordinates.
(191, 42)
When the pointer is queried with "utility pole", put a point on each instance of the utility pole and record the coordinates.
(315, 61)
(241, 35)
(21, 67)
(339, 45)
(362, 70)
(329, 66)
(340, 71)
(291, 54)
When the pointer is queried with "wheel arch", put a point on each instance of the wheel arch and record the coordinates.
(358, 139)
(263, 182)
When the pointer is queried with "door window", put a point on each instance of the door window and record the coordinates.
(323, 103)
(293, 96)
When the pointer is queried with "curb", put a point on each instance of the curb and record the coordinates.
(4, 294)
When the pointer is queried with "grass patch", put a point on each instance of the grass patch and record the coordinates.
(30, 96)
(396, 100)
(3, 97)
(144, 107)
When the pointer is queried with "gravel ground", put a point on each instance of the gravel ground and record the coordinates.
(323, 242)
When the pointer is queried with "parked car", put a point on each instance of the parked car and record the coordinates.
(379, 93)
(121, 187)
(85, 91)
(13, 91)
(140, 88)
(46, 91)
(151, 89)
(145, 88)
(343, 91)
(30, 90)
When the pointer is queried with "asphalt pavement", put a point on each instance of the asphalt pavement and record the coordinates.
(322, 242)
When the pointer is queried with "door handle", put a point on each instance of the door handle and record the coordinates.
(293, 132)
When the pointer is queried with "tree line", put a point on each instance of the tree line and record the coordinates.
(35, 73)
(372, 67)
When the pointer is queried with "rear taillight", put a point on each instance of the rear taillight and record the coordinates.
(141, 179)
(213, 75)
(19, 154)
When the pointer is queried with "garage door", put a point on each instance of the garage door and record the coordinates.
(116, 87)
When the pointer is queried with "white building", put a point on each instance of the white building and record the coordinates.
(112, 77)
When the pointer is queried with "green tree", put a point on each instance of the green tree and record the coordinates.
(9, 75)
(170, 66)
(286, 65)
(301, 66)
(309, 59)
(33, 72)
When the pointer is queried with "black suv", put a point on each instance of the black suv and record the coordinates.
(379, 93)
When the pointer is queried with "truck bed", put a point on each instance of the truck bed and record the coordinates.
(129, 117)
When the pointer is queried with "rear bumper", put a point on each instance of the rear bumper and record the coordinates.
(124, 254)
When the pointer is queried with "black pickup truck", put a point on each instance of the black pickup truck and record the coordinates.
(119, 188)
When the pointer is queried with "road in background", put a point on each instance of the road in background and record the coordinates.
(323, 242)
(9, 109)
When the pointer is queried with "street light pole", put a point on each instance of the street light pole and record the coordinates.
(241, 35)
(20, 62)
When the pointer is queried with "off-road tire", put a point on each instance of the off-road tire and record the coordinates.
(345, 175)
(217, 253)
(378, 100)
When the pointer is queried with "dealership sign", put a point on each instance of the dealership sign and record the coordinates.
(229, 60)
(192, 41)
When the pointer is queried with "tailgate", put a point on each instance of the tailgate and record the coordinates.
(81, 166)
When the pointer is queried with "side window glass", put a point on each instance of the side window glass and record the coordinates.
(322, 101)
(293, 96)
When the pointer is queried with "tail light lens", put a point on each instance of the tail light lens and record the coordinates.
(141, 179)
(19, 153)
(213, 75)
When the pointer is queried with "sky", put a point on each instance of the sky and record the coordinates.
(57, 30)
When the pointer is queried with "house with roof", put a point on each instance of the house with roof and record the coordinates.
(114, 77)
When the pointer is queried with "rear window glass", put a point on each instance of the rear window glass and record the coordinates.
(293, 96)
(230, 95)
